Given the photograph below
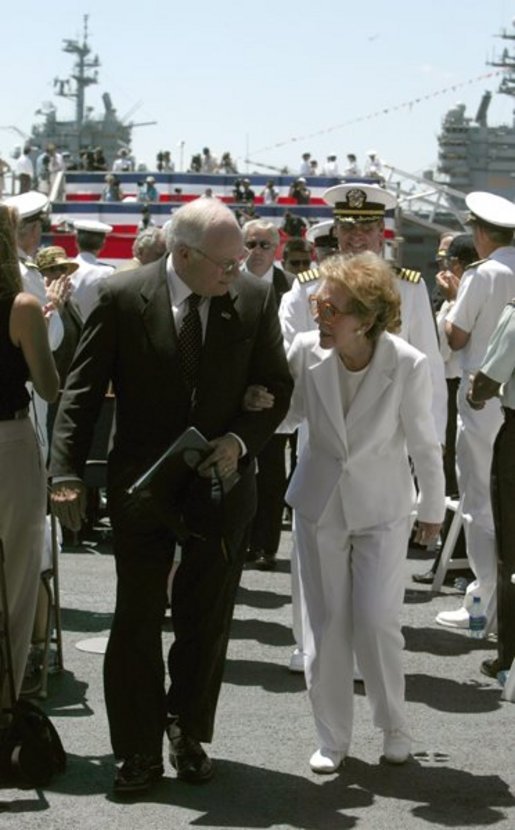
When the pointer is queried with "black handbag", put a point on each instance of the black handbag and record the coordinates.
(31, 752)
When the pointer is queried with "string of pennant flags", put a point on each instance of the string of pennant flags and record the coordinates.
(408, 105)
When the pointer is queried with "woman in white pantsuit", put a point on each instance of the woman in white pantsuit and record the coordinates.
(366, 395)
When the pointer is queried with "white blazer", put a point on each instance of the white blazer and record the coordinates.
(365, 454)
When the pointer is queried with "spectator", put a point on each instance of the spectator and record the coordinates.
(4, 168)
(300, 191)
(148, 246)
(270, 193)
(373, 166)
(352, 169)
(293, 225)
(123, 163)
(196, 163)
(86, 281)
(305, 168)
(323, 237)
(99, 160)
(331, 166)
(112, 191)
(24, 170)
(296, 256)
(227, 165)
(313, 167)
(209, 163)
(147, 192)
(25, 354)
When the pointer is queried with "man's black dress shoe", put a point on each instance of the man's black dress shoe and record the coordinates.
(425, 578)
(265, 561)
(188, 757)
(137, 774)
(491, 667)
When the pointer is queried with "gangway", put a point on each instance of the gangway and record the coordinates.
(425, 202)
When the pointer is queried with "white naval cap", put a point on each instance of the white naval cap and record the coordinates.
(320, 234)
(28, 204)
(359, 202)
(92, 226)
(495, 210)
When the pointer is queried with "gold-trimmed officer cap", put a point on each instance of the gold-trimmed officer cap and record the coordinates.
(489, 208)
(29, 205)
(359, 202)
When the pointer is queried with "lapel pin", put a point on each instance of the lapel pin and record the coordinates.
(226, 315)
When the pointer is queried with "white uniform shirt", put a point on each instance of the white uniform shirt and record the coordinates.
(482, 295)
(499, 362)
(86, 282)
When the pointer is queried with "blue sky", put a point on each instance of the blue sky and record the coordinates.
(267, 80)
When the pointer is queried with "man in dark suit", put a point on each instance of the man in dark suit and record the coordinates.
(135, 338)
(261, 239)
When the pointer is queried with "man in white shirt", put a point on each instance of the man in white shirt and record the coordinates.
(484, 290)
(86, 281)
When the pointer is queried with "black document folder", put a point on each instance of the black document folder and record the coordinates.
(174, 467)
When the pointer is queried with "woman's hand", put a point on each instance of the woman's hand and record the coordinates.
(257, 398)
(448, 284)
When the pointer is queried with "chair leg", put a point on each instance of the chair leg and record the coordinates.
(450, 542)
(56, 605)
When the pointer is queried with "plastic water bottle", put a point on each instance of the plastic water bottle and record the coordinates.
(477, 620)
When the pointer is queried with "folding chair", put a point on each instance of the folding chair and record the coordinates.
(446, 562)
(53, 629)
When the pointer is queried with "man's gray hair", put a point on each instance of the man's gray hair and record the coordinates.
(146, 239)
(261, 225)
(190, 222)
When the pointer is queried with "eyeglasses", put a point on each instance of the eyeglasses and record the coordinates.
(258, 243)
(325, 310)
(227, 267)
(299, 263)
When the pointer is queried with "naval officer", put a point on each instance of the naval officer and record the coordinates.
(87, 280)
(484, 290)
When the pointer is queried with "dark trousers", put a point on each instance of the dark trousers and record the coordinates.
(449, 459)
(203, 595)
(503, 505)
(271, 487)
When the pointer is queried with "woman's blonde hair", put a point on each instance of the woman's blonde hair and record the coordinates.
(10, 276)
(370, 281)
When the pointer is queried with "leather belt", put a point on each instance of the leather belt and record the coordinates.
(17, 415)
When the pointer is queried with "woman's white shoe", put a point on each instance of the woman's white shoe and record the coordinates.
(325, 761)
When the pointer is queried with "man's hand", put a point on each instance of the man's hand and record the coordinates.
(257, 398)
(223, 459)
(427, 533)
(69, 503)
(448, 284)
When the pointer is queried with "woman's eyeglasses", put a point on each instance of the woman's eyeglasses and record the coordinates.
(325, 310)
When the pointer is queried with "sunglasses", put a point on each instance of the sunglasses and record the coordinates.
(299, 263)
(325, 311)
(258, 243)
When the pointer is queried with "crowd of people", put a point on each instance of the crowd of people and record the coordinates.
(330, 354)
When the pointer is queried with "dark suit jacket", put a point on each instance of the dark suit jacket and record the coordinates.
(130, 339)
(282, 282)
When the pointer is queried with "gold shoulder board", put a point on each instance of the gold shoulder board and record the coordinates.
(475, 264)
(308, 276)
(409, 275)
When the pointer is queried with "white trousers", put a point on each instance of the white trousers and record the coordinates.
(22, 528)
(353, 589)
(474, 449)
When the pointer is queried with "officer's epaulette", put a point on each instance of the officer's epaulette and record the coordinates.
(308, 276)
(409, 275)
(475, 264)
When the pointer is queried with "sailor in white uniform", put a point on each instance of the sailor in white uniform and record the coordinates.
(484, 290)
(86, 281)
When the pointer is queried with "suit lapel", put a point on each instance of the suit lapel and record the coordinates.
(325, 378)
(376, 380)
(157, 314)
